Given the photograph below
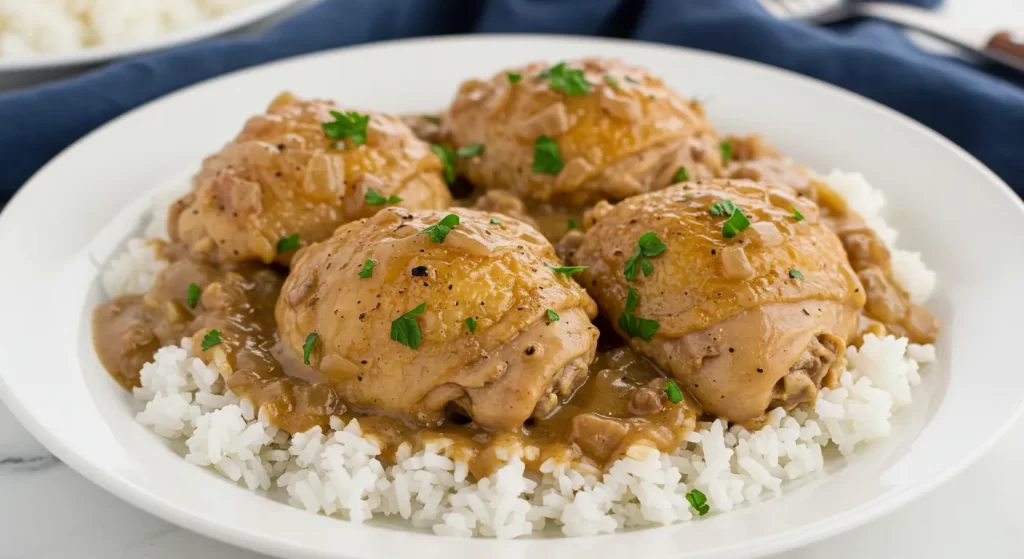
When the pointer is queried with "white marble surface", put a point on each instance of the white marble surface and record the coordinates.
(49, 511)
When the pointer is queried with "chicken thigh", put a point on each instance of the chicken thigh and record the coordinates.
(580, 132)
(419, 313)
(734, 288)
(295, 174)
(888, 304)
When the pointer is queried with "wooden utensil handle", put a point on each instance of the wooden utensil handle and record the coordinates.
(1007, 48)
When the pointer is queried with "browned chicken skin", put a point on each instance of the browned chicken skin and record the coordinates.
(516, 364)
(627, 134)
(745, 323)
(888, 304)
(284, 176)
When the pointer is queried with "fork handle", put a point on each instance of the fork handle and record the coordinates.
(1004, 48)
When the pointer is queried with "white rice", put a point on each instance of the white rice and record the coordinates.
(339, 473)
(33, 27)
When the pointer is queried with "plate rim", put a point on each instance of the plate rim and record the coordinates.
(810, 533)
(208, 29)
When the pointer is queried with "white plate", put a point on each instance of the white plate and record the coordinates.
(77, 210)
(24, 71)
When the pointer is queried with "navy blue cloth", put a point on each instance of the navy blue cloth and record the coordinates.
(981, 111)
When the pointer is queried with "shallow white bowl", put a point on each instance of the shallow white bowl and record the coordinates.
(74, 214)
(25, 71)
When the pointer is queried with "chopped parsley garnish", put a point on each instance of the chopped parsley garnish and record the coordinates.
(472, 150)
(447, 159)
(681, 175)
(495, 221)
(566, 270)
(211, 339)
(648, 246)
(797, 215)
(432, 119)
(440, 230)
(723, 208)
(631, 79)
(193, 295)
(573, 224)
(546, 158)
(675, 395)
(288, 244)
(307, 347)
(698, 501)
(568, 81)
(796, 274)
(726, 150)
(737, 222)
(471, 324)
(367, 270)
(633, 325)
(513, 77)
(350, 125)
(611, 80)
(404, 329)
(552, 315)
(375, 198)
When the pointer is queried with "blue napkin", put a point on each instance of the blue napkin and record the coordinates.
(982, 112)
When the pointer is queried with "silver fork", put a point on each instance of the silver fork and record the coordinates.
(1002, 46)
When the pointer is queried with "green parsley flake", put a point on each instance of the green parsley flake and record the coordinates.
(367, 270)
(288, 244)
(631, 79)
(404, 329)
(633, 325)
(726, 150)
(495, 221)
(723, 208)
(611, 80)
(737, 222)
(648, 246)
(552, 315)
(698, 501)
(350, 125)
(681, 175)
(472, 150)
(432, 119)
(307, 347)
(796, 274)
(193, 295)
(447, 158)
(374, 198)
(672, 390)
(513, 77)
(471, 324)
(568, 81)
(440, 230)
(566, 270)
(797, 215)
(546, 157)
(211, 339)
(573, 224)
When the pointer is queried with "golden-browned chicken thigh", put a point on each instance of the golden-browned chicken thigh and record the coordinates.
(888, 303)
(735, 288)
(289, 179)
(580, 132)
(414, 311)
